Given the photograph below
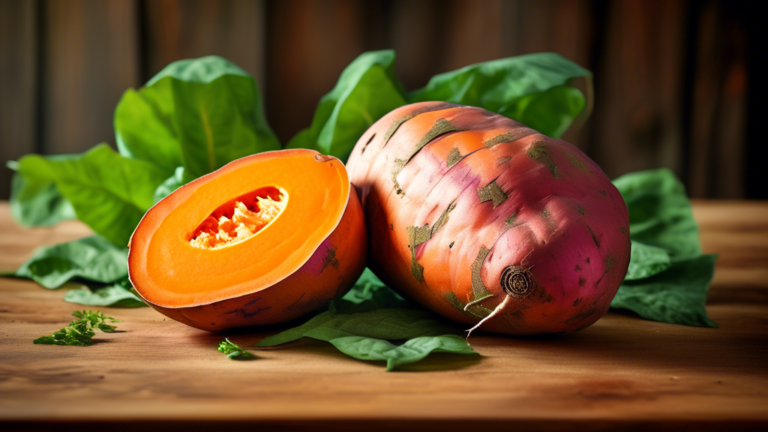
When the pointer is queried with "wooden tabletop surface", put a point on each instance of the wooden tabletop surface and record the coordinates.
(622, 372)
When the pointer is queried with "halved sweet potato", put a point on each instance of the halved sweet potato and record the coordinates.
(263, 240)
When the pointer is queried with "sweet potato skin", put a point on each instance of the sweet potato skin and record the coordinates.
(458, 199)
(329, 273)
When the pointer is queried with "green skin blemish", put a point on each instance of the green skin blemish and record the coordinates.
(453, 157)
(608, 262)
(547, 216)
(417, 236)
(443, 219)
(508, 137)
(330, 259)
(420, 235)
(580, 209)
(441, 127)
(501, 161)
(510, 222)
(539, 152)
(399, 121)
(492, 192)
(479, 290)
(594, 238)
(362, 150)
(577, 163)
(475, 310)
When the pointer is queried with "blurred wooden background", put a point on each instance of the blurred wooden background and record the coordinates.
(675, 80)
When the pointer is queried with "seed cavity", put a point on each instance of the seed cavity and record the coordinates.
(240, 218)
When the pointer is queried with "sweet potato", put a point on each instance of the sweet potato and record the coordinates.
(483, 219)
(263, 240)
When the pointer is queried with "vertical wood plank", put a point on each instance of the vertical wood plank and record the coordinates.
(638, 95)
(232, 29)
(18, 75)
(310, 44)
(476, 33)
(562, 26)
(718, 129)
(416, 33)
(91, 59)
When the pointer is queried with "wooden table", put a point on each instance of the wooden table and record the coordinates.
(622, 372)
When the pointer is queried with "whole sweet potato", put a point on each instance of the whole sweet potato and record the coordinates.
(485, 220)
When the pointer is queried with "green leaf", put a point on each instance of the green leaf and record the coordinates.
(217, 114)
(71, 335)
(660, 214)
(646, 261)
(297, 333)
(390, 324)
(109, 192)
(529, 88)
(116, 295)
(144, 126)
(233, 351)
(675, 296)
(79, 332)
(37, 202)
(91, 258)
(169, 185)
(668, 276)
(366, 91)
(94, 319)
(362, 322)
(370, 293)
(416, 349)
(550, 112)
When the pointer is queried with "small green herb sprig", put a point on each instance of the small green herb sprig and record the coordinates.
(81, 331)
(233, 351)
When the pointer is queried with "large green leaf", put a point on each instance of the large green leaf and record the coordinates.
(200, 113)
(646, 261)
(371, 314)
(109, 192)
(91, 259)
(530, 88)
(116, 295)
(413, 350)
(660, 214)
(144, 126)
(370, 293)
(676, 296)
(38, 202)
(668, 276)
(366, 91)
(217, 113)
(169, 185)
(386, 323)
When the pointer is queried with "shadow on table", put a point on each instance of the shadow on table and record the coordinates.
(622, 339)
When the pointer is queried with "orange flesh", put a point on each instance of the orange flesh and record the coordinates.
(175, 272)
(238, 221)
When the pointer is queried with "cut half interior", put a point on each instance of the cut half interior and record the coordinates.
(238, 230)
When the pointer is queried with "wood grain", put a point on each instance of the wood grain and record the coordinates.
(622, 372)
